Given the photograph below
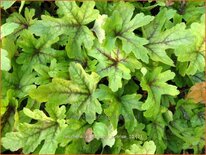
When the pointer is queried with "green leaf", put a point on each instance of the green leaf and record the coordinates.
(82, 77)
(49, 25)
(121, 26)
(8, 28)
(155, 84)
(5, 61)
(45, 73)
(78, 92)
(194, 54)
(174, 144)
(156, 132)
(9, 113)
(80, 146)
(72, 23)
(138, 132)
(29, 136)
(193, 11)
(37, 115)
(160, 39)
(7, 4)
(120, 105)
(187, 114)
(100, 130)
(74, 131)
(16, 23)
(78, 15)
(5, 102)
(98, 27)
(117, 146)
(9, 45)
(114, 64)
(109, 140)
(37, 51)
(148, 147)
(78, 37)
(19, 80)
(128, 103)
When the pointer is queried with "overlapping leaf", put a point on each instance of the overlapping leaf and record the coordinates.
(189, 115)
(5, 62)
(155, 84)
(147, 148)
(73, 23)
(80, 146)
(156, 132)
(194, 54)
(98, 27)
(120, 105)
(19, 80)
(191, 12)
(106, 132)
(29, 136)
(36, 51)
(16, 23)
(72, 73)
(121, 26)
(160, 39)
(45, 73)
(114, 64)
(78, 92)
(9, 114)
(7, 4)
(74, 131)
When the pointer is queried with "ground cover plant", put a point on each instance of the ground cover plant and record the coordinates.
(102, 77)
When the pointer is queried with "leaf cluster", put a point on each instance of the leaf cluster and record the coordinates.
(102, 77)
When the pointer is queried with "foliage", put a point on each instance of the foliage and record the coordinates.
(103, 77)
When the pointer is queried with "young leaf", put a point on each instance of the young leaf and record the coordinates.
(148, 147)
(109, 140)
(100, 130)
(5, 61)
(155, 84)
(98, 27)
